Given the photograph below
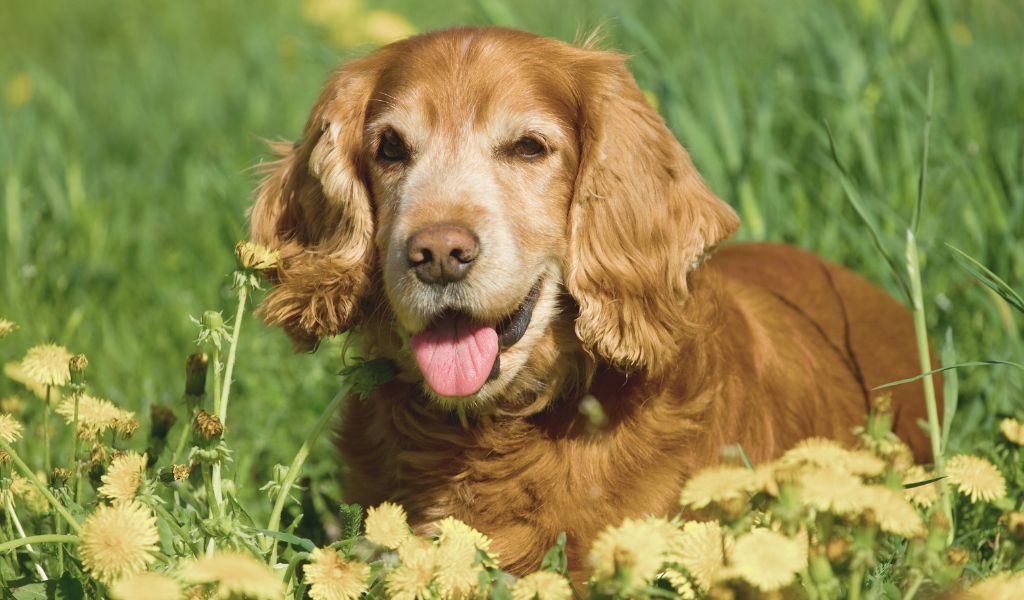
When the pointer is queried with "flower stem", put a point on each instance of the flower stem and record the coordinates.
(300, 457)
(925, 359)
(21, 533)
(46, 432)
(243, 292)
(293, 565)
(75, 442)
(47, 538)
(27, 472)
(218, 496)
(190, 417)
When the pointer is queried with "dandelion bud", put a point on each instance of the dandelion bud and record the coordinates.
(6, 327)
(1015, 523)
(125, 425)
(77, 365)
(11, 405)
(59, 477)
(98, 455)
(175, 473)
(957, 557)
(208, 426)
(195, 374)
(256, 257)
(213, 320)
(882, 403)
(836, 549)
(161, 420)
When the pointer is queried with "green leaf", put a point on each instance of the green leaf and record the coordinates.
(915, 484)
(351, 520)
(367, 376)
(984, 275)
(289, 538)
(555, 559)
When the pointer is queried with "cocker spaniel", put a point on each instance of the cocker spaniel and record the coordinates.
(506, 217)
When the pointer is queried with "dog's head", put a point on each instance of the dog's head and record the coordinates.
(472, 190)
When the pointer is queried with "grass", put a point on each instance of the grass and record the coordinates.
(129, 131)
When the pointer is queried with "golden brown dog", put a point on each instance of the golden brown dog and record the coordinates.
(506, 218)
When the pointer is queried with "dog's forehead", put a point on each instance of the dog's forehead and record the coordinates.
(447, 83)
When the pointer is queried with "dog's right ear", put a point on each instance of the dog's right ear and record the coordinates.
(314, 207)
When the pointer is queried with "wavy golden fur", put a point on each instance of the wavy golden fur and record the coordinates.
(762, 345)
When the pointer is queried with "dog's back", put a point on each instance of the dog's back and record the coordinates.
(873, 332)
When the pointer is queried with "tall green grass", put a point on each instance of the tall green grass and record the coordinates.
(126, 173)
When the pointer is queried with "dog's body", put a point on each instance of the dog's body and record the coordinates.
(507, 219)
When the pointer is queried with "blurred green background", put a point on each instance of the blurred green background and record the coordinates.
(128, 131)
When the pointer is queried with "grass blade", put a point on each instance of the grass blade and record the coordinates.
(854, 198)
(922, 176)
(984, 275)
(979, 363)
(950, 387)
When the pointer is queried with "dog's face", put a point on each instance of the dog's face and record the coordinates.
(451, 188)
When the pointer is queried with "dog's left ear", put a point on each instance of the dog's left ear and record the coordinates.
(641, 219)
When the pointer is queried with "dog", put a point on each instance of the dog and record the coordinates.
(506, 218)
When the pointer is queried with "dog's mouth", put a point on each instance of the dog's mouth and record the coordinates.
(458, 354)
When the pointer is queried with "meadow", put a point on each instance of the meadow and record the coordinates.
(129, 132)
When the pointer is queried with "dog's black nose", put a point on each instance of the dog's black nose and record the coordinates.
(442, 253)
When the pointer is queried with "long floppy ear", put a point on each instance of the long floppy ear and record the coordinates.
(314, 207)
(641, 219)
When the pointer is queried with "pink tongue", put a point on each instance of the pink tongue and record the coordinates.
(456, 355)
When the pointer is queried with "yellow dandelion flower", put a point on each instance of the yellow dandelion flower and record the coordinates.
(457, 574)
(719, 484)
(637, 548)
(922, 495)
(11, 405)
(23, 490)
(118, 541)
(768, 560)
(235, 574)
(452, 528)
(542, 585)
(387, 525)
(702, 551)
(1001, 586)
(332, 577)
(95, 415)
(10, 429)
(123, 478)
(680, 583)
(255, 256)
(829, 454)
(833, 491)
(151, 586)
(976, 478)
(6, 327)
(385, 26)
(413, 578)
(1013, 430)
(891, 510)
(16, 372)
(47, 364)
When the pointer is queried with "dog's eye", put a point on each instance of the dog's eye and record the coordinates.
(391, 148)
(528, 147)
